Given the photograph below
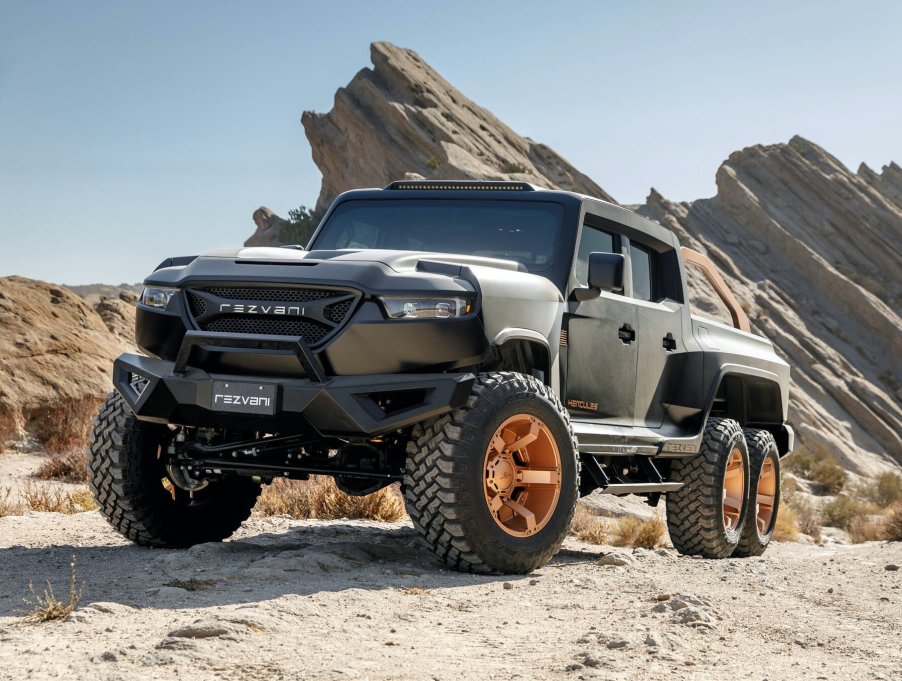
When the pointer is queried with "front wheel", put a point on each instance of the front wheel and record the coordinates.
(492, 486)
(126, 464)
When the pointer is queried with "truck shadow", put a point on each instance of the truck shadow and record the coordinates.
(304, 560)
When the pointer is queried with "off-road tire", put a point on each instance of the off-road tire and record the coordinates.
(761, 446)
(444, 478)
(126, 477)
(695, 512)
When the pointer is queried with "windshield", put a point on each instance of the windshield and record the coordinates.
(524, 231)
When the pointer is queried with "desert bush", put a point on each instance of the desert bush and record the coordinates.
(864, 528)
(787, 527)
(47, 607)
(628, 531)
(70, 466)
(647, 533)
(65, 426)
(892, 531)
(301, 224)
(319, 498)
(885, 490)
(48, 499)
(589, 527)
(842, 510)
(801, 515)
(8, 505)
(815, 462)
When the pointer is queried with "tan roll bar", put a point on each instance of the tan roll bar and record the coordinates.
(709, 269)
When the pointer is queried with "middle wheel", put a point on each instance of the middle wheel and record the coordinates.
(492, 486)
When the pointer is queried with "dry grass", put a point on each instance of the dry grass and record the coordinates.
(815, 462)
(57, 500)
(69, 466)
(631, 532)
(863, 528)
(63, 426)
(842, 510)
(645, 533)
(801, 515)
(47, 607)
(885, 491)
(319, 498)
(8, 505)
(893, 529)
(589, 527)
(787, 527)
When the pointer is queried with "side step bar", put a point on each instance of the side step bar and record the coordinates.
(641, 488)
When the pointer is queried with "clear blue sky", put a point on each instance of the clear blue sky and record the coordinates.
(131, 131)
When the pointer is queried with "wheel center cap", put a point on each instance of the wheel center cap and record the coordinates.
(500, 474)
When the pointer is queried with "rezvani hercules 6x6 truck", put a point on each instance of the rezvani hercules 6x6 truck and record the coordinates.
(497, 349)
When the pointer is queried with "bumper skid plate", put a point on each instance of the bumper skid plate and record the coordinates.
(161, 391)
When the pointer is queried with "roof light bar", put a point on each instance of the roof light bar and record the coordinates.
(438, 185)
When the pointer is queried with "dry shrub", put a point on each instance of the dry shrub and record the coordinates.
(802, 516)
(886, 490)
(64, 426)
(58, 500)
(815, 462)
(47, 607)
(646, 533)
(787, 527)
(69, 466)
(842, 510)
(319, 498)
(589, 527)
(8, 506)
(892, 531)
(861, 529)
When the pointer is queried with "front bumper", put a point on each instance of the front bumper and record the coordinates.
(342, 406)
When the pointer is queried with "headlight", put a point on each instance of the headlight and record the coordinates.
(157, 297)
(426, 308)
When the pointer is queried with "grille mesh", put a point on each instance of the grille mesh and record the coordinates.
(310, 329)
(276, 295)
(312, 332)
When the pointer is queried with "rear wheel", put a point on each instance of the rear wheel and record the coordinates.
(138, 496)
(706, 516)
(764, 493)
(492, 486)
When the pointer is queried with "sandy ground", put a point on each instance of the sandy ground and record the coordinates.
(288, 599)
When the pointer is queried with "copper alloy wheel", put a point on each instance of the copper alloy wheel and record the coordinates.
(733, 490)
(767, 492)
(522, 475)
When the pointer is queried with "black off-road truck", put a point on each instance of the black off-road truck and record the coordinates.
(497, 349)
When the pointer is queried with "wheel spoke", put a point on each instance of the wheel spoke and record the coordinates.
(523, 512)
(538, 476)
(732, 505)
(496, 503)
(528, 439)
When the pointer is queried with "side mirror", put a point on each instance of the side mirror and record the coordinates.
(606, 271)
(605, 274)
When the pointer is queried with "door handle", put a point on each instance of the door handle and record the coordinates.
(626, 334)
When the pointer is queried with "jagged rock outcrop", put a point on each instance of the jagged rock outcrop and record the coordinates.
(812, 251)
(401, 116)
(56, 356)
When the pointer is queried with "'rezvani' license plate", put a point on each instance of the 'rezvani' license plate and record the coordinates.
(244, 398)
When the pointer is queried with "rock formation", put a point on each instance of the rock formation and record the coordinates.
(56, 356)
(401, 116)
(810, 248)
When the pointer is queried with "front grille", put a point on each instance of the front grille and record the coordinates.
(314, 314)
(310, 331)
